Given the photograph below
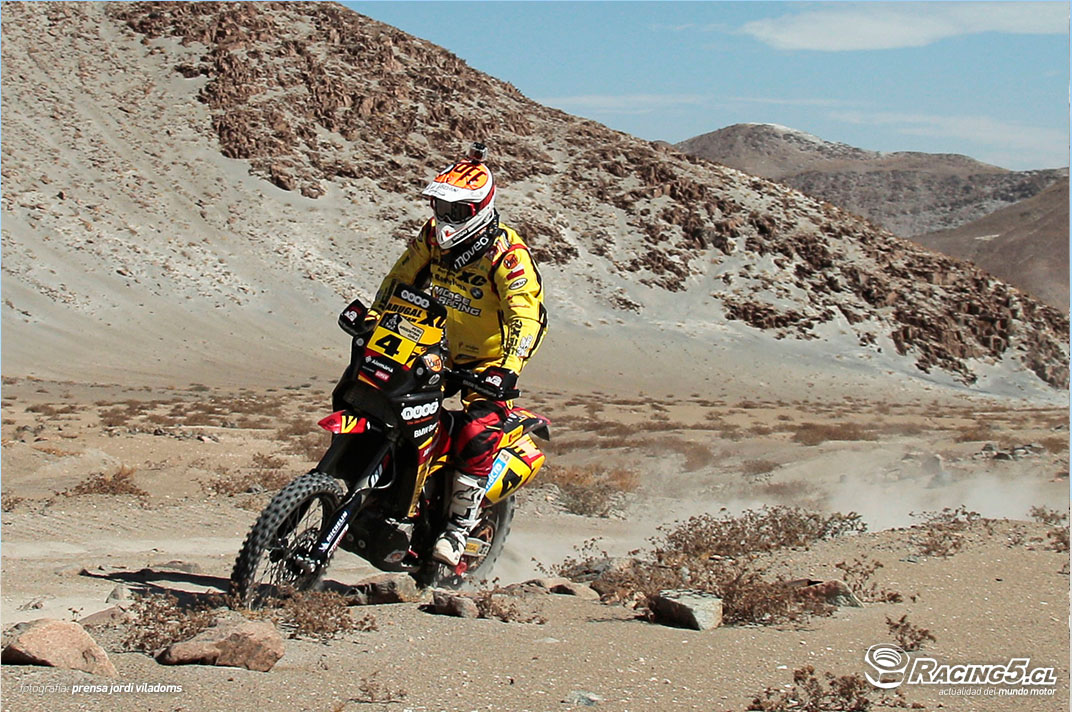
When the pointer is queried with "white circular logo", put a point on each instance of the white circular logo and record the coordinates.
(887, 660)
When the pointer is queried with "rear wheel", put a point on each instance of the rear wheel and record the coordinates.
(491, 532)
(276, 559)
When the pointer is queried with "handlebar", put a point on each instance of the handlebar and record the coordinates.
(471, 380)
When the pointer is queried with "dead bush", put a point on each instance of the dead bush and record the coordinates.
(857, 576)
(229, 484)
(756, 468)
(942, 533)
(592, 491)
(119, 482)
(495, 603)
(908, 635)
(720, 555)
(317, 615)
(1059, 539)
(8, 502)
(812, 434)
(831, 693)
(1045, 515)
(977, 432)
(375, 692)
(158, 621)
(754, 531)
(268, 462)
(50, 410)
(309, 447)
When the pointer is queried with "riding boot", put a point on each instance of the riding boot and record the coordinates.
(467, 494)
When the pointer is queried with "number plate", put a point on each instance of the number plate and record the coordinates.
(391, 344)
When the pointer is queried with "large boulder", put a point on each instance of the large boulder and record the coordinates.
(453, 604)
(55, 643)
(683, 608)
(254, 645)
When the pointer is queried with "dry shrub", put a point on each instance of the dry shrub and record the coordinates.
(8, 502)
(310, 446)
(755, 468)
(857, 576)
(118, 483)
(317, 615)
(375, 692)
(720, 555)
(977, 432)
(1059, 539)
(812, 434)
(229, 484)
(158, 621)
(268, 462)
(1055, 445)
(942, 533)
(495, 603)
(908, 635)
(1046, 515)
(755, 531)
(49, 410)
(592, 491)
(831, 693)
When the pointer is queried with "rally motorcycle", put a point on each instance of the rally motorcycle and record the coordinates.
(383, 488)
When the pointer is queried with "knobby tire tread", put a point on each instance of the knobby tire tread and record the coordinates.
(283, 504)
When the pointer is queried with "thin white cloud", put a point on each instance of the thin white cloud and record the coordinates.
(872, 26)
(776, 101)
(1035, 147)
(621, 103)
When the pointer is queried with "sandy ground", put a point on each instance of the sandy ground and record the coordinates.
(1003, 595)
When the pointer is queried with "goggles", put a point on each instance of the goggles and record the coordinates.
(455, 213)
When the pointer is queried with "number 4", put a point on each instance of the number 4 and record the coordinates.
(389, 344)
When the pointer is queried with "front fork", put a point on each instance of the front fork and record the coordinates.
(355, 501)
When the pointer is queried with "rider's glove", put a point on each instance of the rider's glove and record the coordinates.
(501, 381)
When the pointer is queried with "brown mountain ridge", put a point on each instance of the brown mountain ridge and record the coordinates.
(326, 105)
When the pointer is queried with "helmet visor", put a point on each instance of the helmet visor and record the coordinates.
(456, 213)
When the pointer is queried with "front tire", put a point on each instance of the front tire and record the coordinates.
(275, 560)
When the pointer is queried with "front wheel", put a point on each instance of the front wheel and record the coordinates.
(277, 557)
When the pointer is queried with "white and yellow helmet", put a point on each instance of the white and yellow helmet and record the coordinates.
(463, 199)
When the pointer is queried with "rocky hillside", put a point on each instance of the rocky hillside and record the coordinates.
(252, 163)
(908, 193)
(1025, 244)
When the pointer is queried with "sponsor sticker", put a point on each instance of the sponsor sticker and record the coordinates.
(519, 283)
(410, 330)
(418, 412)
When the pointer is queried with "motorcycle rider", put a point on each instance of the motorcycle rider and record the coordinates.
(482, 272)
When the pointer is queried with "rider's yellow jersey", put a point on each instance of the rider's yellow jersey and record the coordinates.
(491, 289)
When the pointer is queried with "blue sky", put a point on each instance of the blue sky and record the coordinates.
(985, 79)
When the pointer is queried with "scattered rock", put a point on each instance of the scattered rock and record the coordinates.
(585, 699)
(836, 593)
(684, 608)
(452, 604)
(108, 618)
(33, 605)
(55, 643)
(392, 588)
(254, 645)
(572, 588)
(184, 566)
(119, 593)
